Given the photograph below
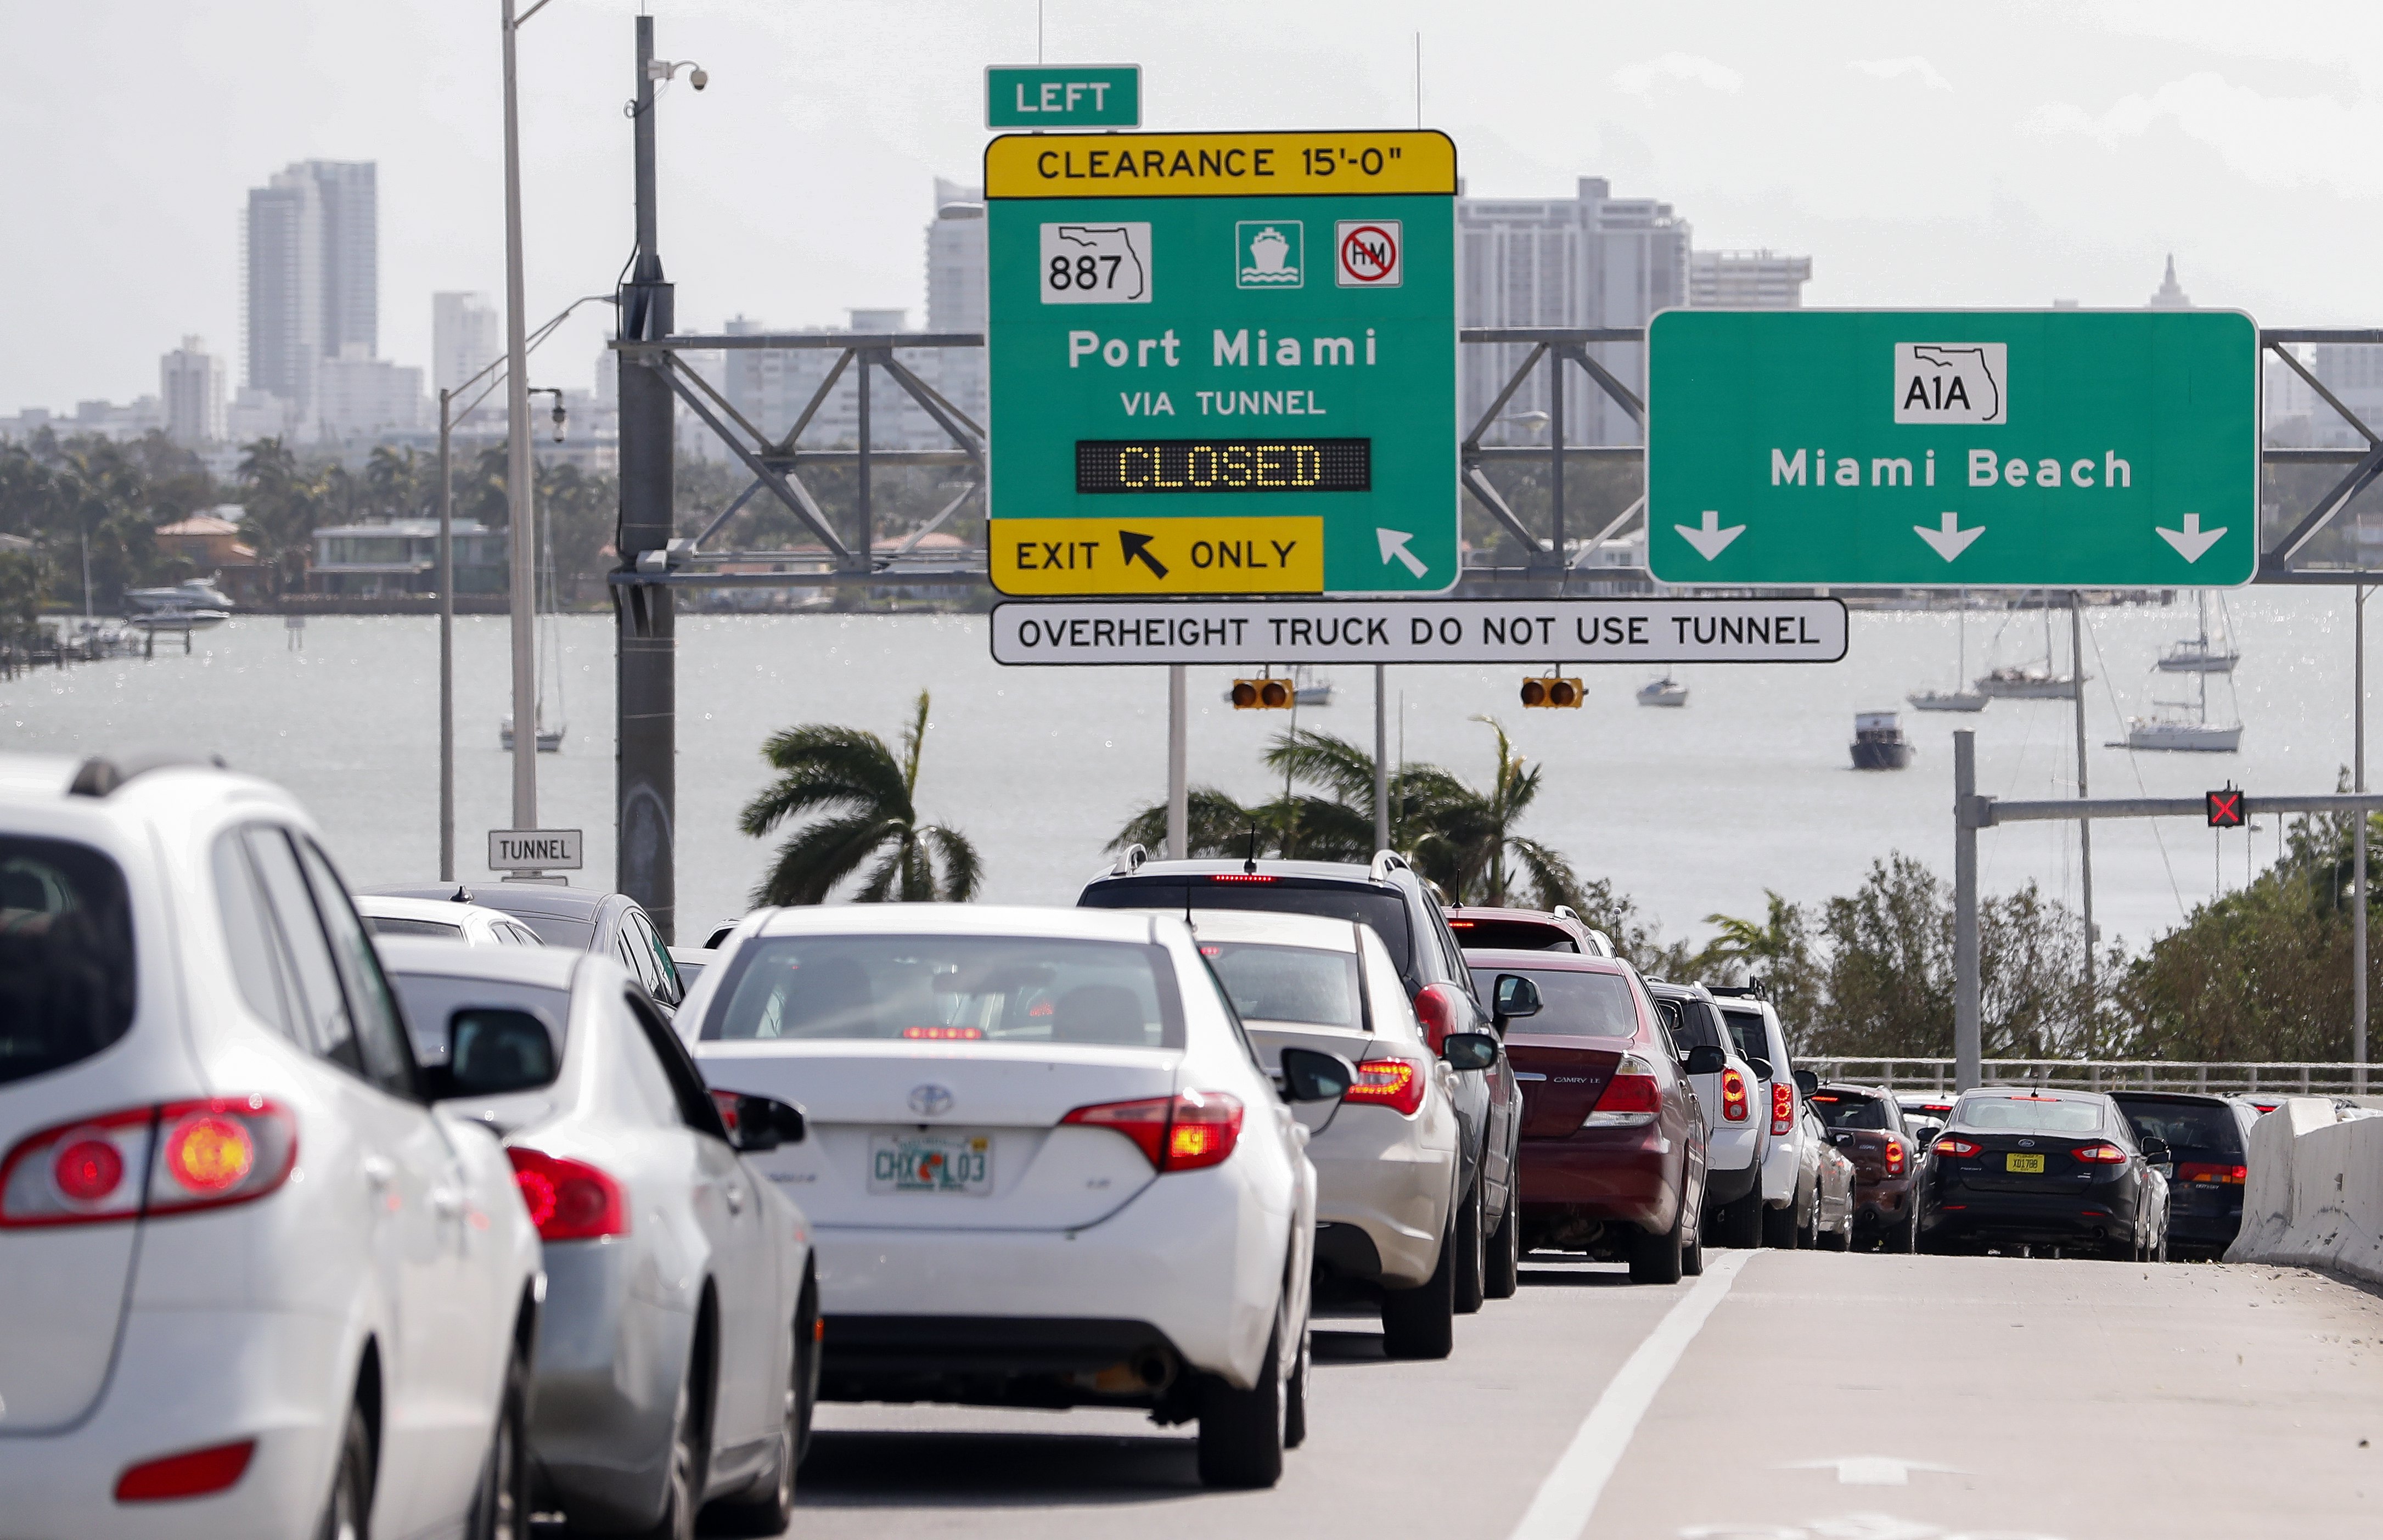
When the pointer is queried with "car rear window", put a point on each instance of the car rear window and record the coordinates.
(2197, 1127)
(578, 935)
(66, 973)
(1301, 984)
(391, 925)
(941, 988)
(1383, 908)
(2028, 1115)
(1748, 1030)
(1571, 1004)
(1512, 935)
(1693, 1023)
(1840, 1111)
(431, 1000)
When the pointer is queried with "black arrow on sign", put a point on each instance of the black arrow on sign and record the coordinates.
(1137, 549)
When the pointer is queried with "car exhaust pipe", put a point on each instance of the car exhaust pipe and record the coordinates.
(1155, 1369)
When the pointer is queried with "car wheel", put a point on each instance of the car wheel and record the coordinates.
(1779, 1227)
(1661, 1258)
(1294, 1411)
(1904, 1239)
(1472, 1254)
(1739, 1225)
(682, 1484)
(767, 1507)
(501, 1503)
(2163, 1247)
(1241, 1432)
(1692, 1251)
(1503, 1272)
(348, 1513)
(1839, 1239)
(1421, 1323)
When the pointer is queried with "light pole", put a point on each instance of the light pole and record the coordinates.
(521, 537)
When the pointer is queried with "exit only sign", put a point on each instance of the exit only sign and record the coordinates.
(1063, 96)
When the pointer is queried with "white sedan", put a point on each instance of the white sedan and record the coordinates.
(442, 919)
(1044, 1165)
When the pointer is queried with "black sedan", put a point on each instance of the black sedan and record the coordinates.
(2051, 1169)
(2206, 1137)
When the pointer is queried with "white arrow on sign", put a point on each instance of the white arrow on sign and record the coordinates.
(1949, 539)
(1711, 539)
(2192, 541)
(1394, 547)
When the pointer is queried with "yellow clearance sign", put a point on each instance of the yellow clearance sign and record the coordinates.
(1217, 165)
(1158, 556)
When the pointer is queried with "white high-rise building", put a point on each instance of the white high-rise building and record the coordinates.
(957, 293)
(191, 391)
(1590, 260)
(1748, 280)
(466, 335)
(770, 387)
(311, 249)
(359, 396)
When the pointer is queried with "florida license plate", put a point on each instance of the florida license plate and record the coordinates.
(2034, 1164)
(931, 1163)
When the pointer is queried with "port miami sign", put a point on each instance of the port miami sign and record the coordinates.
(1528, 631)
(1971, 449)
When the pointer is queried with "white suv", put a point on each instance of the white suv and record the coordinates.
(1786, 1197)
(1738, 1115)
(257, 1286)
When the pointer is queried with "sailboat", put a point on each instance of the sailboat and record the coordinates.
(550, 642)
(2032, 682)
(1665, 691)
(2175, 731)
(2202, 653)
(1956, 699)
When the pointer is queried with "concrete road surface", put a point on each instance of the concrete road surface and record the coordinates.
(1786, 1396)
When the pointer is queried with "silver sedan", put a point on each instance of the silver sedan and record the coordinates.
(677, 1359)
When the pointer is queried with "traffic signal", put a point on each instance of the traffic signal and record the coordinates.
(1552, 691)
(2226, 809)
(1261, 694)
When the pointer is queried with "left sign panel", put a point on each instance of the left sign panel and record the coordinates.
(1063, 96)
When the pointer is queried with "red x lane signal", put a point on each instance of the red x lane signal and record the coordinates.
(2224, 809)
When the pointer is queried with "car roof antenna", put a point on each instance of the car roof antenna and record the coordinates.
(1250, 862)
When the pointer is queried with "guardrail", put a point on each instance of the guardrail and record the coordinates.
(2310, 1078)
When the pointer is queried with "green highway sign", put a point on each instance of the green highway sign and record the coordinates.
(1983, 449)
(1222, 362)
(1063, 96)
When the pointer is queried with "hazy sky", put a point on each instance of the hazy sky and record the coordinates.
(1983, 155)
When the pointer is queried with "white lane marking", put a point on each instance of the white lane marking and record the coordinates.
(1569, 1495)
(1868, 1470)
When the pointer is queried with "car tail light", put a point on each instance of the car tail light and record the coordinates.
(1183, 1132)
(568, 1200)
(1783, 1108)
(1436, 1008)
(191, 1475)
(171, 1159)
(1894, 1157)
(1732, 1095)
(1958, 1148)
(1238, 877)
(1398, 1084)
(1631, 1100)
(2101, 1154)
(2206, 1171)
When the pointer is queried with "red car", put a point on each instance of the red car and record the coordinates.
(1867, 1125)
(1612, 1148)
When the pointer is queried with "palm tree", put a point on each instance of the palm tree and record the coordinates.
(866, 793)
(1471, 848)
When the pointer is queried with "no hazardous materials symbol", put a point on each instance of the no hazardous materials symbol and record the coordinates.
(1368, 254)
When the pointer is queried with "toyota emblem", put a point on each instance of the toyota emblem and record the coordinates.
(930, 1101)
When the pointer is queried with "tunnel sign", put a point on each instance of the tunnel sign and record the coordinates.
(1979, 449)
(1222, 364)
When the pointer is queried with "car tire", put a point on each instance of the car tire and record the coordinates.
(1242, 1432)
(1661, 1258)
(1838, 1240)
(347, 1514)
(1739, 1226)
(1294, 1412)
(682, 1482)
(1421, 1323)
(1692, 1250)
(1472, 1254)
(767, 1507)
(501, 1503)
(1779, 1227)
(1503, 1272)
(1904, 1239)
(2162, 1254)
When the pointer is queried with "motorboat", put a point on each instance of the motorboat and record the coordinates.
(1665, 691)
(1879, 742)
(176, 620)
(193, 594)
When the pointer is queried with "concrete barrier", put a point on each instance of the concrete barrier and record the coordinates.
(2314, 1193)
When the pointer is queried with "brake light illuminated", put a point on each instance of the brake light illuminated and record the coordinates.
(1958, 1148)
(1435, 1007)
(1732, 1095)
(1398, 1084)
(2103, 1154)
(191, 1474)
(156, 1160)
(568, 1200)
(1183, 1132)
(1632, 1099)
(1895, 1157)
(2206, 1171)
(1783, 1108)
(943, 1034)
(1241, 877)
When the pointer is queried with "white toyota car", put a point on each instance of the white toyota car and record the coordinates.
(257, 1284)
(1044, 1165)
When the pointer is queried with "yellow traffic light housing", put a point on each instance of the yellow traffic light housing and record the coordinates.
(1261, 694)
(1553, 690)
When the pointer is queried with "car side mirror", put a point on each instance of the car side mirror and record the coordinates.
(756, 1124)
(1808, 1081)
(1470, 1050)
(1762, 1068)
(2156, 1152)
(1517, 996)
(1309, 1075)
(494, 1050)
(1705, 1060)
